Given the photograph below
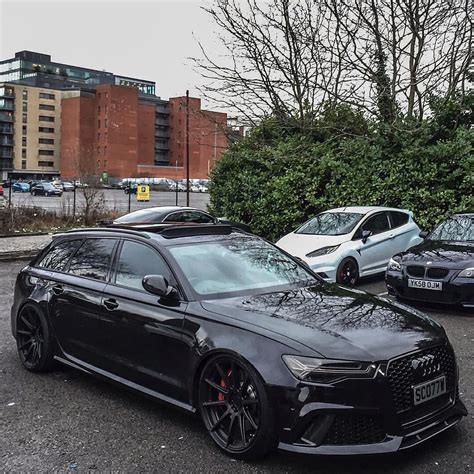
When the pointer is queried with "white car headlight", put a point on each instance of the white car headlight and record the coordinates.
(467, 273)
(394, 266)
(327, 370)
(322, 251)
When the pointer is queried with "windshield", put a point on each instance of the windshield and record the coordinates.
(331, 223)
(144, 215)
(460, 229)
(239, 264)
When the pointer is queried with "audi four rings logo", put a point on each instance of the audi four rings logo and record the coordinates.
(426, 365)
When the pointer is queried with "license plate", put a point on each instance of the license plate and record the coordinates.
(425, 284)
(428, 390)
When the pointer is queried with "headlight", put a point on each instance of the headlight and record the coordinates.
(394, 265)
(323, 251)
(467, 273)
(327, 370)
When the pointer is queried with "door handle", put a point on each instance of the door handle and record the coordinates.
(58, 289)
(111, 304)
(392, 236)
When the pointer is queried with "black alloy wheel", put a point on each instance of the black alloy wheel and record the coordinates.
(33, 340)
(235, 408)
(347, 272)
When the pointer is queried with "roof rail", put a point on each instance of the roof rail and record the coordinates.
(125, 230)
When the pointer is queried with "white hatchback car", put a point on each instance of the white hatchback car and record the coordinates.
(349, 242)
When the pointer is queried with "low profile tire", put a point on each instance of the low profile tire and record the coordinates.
(347, 272)
(235, 408)
(34, 340)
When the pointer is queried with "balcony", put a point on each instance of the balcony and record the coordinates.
(6, 153)
(6, 165)
(5, 92)
(7, 105)
(4, 117)
(162, 132)
(6, 141)
(160, 120)
(6, 130)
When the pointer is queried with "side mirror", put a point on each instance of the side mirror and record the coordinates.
(365, 235)
(423, 234)
(158, 285)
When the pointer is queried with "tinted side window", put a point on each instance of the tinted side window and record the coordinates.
(137, 260)
(58, 255)
(201, 217)
(92, 260)
(176, 217)
(377, 224)
(398, 218)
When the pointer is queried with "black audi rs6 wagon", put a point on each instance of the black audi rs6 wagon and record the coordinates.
(224, 324)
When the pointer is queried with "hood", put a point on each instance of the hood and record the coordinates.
(302, 244)
(335, 322)
(453, 255)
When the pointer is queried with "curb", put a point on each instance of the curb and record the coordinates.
(18, 255)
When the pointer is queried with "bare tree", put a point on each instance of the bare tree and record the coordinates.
(384, 56)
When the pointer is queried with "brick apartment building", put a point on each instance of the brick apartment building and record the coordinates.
(98, 122)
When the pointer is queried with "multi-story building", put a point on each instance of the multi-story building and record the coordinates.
(30, 130)
(82, 120)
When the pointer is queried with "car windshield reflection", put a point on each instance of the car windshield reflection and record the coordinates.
(331, 223)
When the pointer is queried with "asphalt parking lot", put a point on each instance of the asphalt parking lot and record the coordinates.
(114, 199)
(67, 420)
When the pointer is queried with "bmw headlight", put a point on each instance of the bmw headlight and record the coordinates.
(322, 251)
(394, 265)
(467, 273)
(311, 369)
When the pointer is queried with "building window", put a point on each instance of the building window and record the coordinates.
(99, 108)
(46, 141)
(23, 153)
(23, 141)
(98, 137)
(98, 123)
(44, 95)
(98, 163)
(105, 123)
(23, 129)
(46, 164)
(105, 164)
(46, 118)
(45, 130)
(23, 164)
(25, 94)
(25, 118)
(46, 152)
(46, 107)
(25, 106)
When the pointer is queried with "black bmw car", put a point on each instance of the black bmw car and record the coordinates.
(440, 269)
(222, 323)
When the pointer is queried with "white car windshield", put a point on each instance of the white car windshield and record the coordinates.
(457, 229)
(331, 223)
(238, 265)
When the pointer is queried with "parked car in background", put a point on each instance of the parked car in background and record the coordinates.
(67, 186)
(441, 268)
(20, 187)
(174, 214)
(45, 189)
(347, 243)
(130, 188)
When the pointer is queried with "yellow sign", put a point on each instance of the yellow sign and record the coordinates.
(143, 192)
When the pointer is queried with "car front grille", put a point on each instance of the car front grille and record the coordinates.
(416, 271)
(402, 377)
(437, 273)
(355, 429)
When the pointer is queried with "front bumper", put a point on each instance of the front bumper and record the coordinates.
(456, 291)
(361, 416)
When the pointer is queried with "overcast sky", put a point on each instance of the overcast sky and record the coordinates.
(145, 39)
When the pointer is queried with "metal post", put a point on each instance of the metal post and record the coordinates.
(74, 201)
(10, 193)
(129, 196)
(187, 148)
(176, 190)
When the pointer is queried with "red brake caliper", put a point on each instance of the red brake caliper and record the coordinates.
(220, 397)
